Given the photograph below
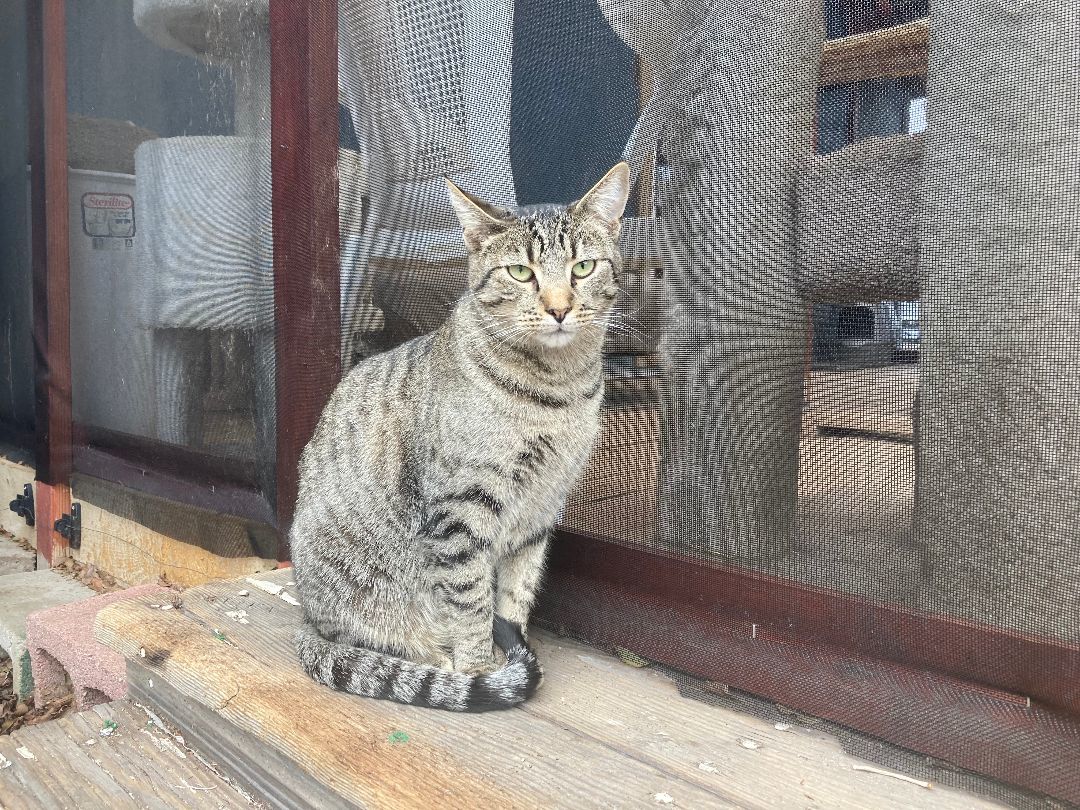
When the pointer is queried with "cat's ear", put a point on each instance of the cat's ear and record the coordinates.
(479, 219)
(607, 199)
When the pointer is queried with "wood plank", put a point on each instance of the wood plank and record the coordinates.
(613, 714)
(13, 477)
(25, 783)
(73, 770)
(210, 546)
(51, 501)
(47, 142)
(641, 712)
(146, 765)
(137, 766)
(886, 53)
(253, 681)
(250, 761)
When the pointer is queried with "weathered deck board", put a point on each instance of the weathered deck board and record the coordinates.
(640, 711)
(252, 681)
(597, 733)
(251, 761)
(135, 767)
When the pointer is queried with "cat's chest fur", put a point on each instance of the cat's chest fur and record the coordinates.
(518, 459)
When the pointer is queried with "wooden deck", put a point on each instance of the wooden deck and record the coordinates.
(598, 733)
(67, 763)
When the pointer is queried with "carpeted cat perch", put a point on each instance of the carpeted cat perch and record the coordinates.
(999, 469)
(859, 221)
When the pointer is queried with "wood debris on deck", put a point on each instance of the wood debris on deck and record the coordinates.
(598, 733)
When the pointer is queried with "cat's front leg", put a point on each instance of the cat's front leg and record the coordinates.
(462, 577)
(518, 574)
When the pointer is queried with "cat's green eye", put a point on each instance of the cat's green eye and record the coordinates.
(520, 272)
(583, 268)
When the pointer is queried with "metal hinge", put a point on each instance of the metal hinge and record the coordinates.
(70, 526)
(23, 505)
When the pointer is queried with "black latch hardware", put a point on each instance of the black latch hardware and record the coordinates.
(23, 505)
(70, 526)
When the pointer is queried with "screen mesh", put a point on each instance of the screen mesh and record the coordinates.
(844, 358)
(17, 422)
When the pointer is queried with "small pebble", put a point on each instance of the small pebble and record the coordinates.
(782, 726)
(90, 742)
(708, 767)
(21, 709)
(243, 593)
(663, 798)
(750, 745)
(25, 752)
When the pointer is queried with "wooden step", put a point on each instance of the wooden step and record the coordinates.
(139, 763)
(598, 732)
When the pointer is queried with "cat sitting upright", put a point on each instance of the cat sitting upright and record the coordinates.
(438, 469)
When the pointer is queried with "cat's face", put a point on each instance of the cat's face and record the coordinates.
(548, 278)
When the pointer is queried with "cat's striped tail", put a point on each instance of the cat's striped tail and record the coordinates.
(374, 674)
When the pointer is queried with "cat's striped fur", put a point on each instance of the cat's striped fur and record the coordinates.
(438, 469)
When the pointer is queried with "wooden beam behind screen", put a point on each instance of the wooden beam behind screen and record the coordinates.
(47, 98)
(887, 53)
(304, 143)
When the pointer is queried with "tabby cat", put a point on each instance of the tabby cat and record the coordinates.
(437, 470)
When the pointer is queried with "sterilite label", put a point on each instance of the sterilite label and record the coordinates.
(108, 216)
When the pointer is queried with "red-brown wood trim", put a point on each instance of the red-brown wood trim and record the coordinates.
(304, 137)
(35, 159)
(1045, 670)
(47, 80)
(997, 734)
(51, 501)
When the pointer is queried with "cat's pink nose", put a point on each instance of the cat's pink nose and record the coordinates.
(558, 314)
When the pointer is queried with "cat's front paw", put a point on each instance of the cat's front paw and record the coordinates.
(475, 665)
(483, 669)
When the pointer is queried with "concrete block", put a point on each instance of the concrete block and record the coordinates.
(14, 559)
(21, 595)
(61, 645)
